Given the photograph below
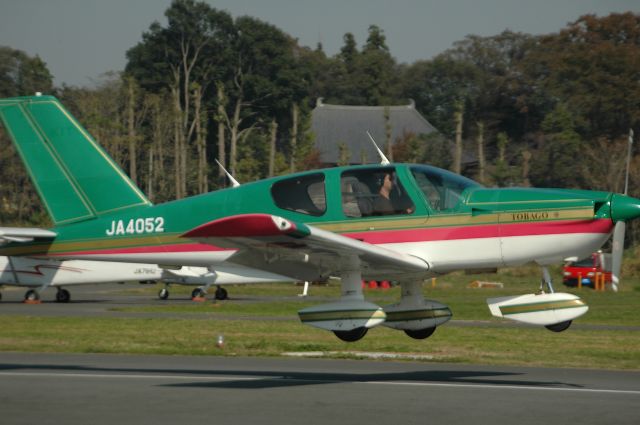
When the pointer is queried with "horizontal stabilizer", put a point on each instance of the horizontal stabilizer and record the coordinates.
(20, 234)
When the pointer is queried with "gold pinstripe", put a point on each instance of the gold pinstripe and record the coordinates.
(539, 307)
(403, 316)
(322, 316)
(453, 220)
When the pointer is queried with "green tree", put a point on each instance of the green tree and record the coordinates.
(557, 156)
(376, 68)
(349, 52)
(183, 59)
(439, 86)
(593, 65)
(268, 80)
(23, 75)
(368, 77)
(501, 172)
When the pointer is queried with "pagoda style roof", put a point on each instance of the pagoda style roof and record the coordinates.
(334, 125)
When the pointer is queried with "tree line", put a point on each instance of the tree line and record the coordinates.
(552, 110)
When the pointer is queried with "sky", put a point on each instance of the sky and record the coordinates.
(80, 40)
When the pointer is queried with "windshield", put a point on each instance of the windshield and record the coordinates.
(374, 192)
(442, 189)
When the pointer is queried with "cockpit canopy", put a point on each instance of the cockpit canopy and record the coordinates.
(442, 189)
(371, 191)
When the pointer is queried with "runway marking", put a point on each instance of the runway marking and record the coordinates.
(499, 386)
(328, 381)
(131, 376)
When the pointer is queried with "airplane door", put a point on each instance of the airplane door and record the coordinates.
(462, 234)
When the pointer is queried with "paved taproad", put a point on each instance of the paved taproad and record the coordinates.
(107, 389)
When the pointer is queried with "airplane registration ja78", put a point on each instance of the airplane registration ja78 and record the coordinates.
(399, 222)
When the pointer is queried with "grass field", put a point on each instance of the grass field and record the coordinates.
(257, 322)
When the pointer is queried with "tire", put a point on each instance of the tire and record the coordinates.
(559, 327)
(163, 294)
(63, 296)
(221, 294)
(31, 295)
(197, 293)
(352, 335)
(420, 333)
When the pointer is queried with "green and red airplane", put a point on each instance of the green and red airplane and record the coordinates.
(399, 222)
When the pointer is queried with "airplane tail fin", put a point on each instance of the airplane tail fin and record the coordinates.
(75, 178)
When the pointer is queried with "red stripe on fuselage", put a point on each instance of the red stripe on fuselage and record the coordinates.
(428, 234)
(484, 231)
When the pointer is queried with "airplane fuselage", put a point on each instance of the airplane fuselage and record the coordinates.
(484, 228)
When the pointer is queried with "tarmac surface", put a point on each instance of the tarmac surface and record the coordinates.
(114, 389)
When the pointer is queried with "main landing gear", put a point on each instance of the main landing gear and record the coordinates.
(33, 295)
(546, 281)
(553, 310)
(220, 294)
(351, 317)
(200, 292)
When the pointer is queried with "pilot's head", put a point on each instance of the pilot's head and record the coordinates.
(386, 181)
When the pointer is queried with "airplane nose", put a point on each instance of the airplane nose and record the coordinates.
(624, 208)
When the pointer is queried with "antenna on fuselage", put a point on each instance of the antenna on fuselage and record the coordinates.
(233, 181)
(383, 159)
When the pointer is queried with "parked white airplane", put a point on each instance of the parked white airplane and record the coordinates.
(37, 274)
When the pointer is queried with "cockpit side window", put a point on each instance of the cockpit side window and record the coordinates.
(304, 194)
(374, 192)
(442, 189)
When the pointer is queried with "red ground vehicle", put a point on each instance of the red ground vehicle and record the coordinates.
(587, 268)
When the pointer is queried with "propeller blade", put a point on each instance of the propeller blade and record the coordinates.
(616, 253)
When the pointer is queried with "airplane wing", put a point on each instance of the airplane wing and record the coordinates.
(277, 245)
(21, 234)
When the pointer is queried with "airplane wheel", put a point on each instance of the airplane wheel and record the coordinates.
(420, 333)
(352, 335)
(221, 294)
(31, 295)
(163, 294)
(63, 296)
(0, 296)
(559, 327)
(198, 292)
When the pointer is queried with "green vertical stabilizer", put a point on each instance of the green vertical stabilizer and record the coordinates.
(75, 178)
